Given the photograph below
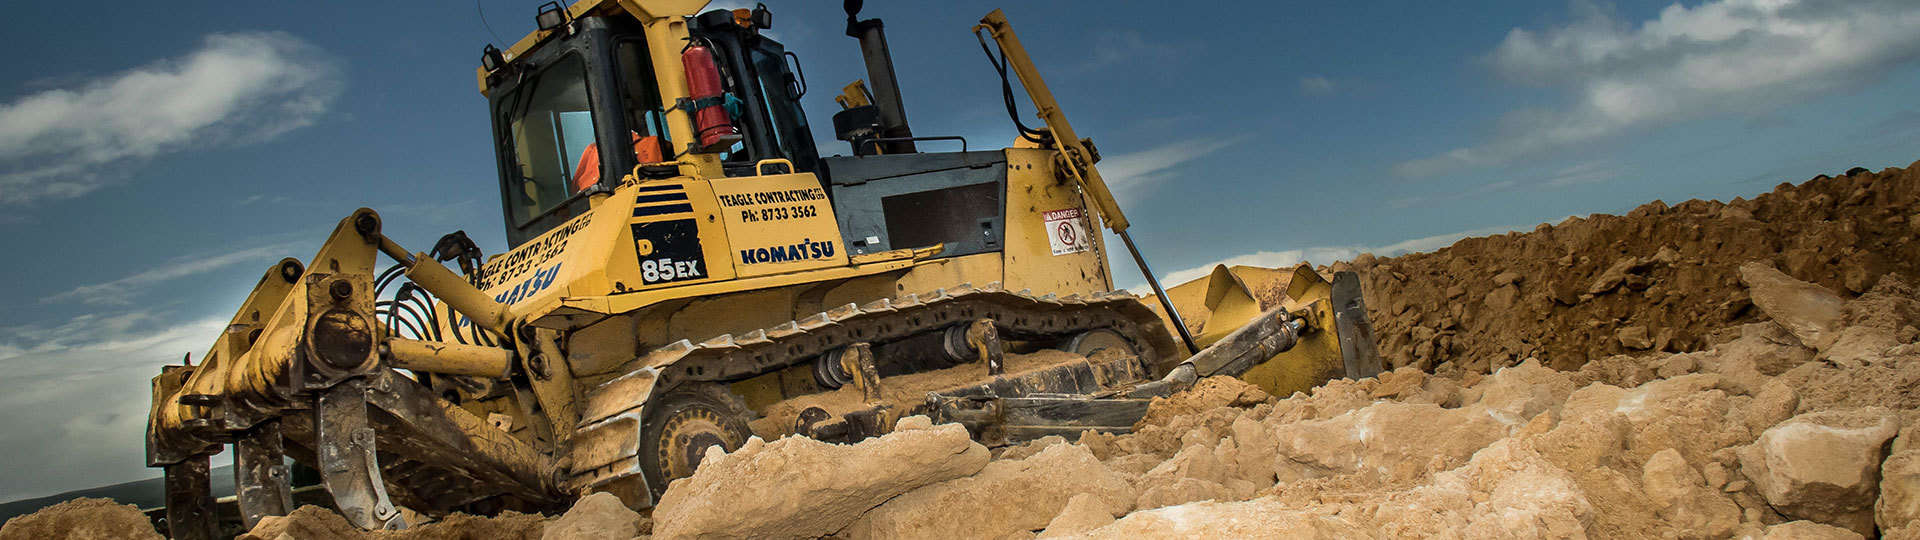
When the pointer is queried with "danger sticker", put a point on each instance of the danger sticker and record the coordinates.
(1067, 231)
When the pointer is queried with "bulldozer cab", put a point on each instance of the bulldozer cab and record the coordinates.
(581, 109)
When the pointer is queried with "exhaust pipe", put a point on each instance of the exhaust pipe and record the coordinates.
(886, 88)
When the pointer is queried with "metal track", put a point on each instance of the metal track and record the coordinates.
(604, 449)
(1016, 315)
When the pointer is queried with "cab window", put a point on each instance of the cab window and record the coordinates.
(551, 128)
(640, 99)
(782, 107)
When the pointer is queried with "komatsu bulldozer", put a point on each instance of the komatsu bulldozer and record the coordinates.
(686, 271)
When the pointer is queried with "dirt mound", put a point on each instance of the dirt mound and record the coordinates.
(317, 522)
(1661, 278)
(81, 519)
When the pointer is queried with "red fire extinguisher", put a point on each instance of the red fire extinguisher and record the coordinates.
(710, 121)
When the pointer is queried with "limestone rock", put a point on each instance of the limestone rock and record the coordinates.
(1515, 394)
(1684, 500)
(1135, 464)
(1502, 297)
(1768, 346)
(918, 421)
(1807, 530)
(1506, 278)
(1004, 498)
(1810, 311)
(1195, 462)
(1822, 466)
(1858, 344)
(1666, 255)
(1619, 273)
(1634, 337)
(1398, 441)
(1084, 512)
(1258, 518)
(1775, 403)
(1182, 491)
(803, 488)
(1507, 490)
(1618, 370)
(1029, 448)
(594, 517)
(1899, 503)
(1677, 365)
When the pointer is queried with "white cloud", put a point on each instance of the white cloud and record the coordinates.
(1127, 48)
(1319, 255)
(1316, 85)
(1129, 174)
(1582, 173)
(235, 89)
(77, 397)
(121, 291)
(1715, 58)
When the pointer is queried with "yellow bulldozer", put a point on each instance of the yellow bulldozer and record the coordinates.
(686, 271)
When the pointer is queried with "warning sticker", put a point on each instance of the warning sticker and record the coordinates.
(1067, 231)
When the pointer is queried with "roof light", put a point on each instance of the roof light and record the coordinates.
(491, 58)
(762, 18)
(551, 16)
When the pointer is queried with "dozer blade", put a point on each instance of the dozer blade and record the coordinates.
(1338, 341)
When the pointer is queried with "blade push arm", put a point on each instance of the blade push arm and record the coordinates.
(1076, 157)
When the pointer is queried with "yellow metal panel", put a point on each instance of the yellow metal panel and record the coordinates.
(602, 346)
(622, 303)
(714, 315)
(572, 255)
(674, 237)
(1033, 190)
(778, 224)
(852, 291)
(978, 269)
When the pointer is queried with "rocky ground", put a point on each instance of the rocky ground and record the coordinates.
(1706, 370)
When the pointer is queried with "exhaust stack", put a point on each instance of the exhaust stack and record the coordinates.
(886, 88)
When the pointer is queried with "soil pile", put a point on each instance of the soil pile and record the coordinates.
(81, 518)
(1661, 278)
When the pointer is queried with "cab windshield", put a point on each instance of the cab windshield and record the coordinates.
(551, 126)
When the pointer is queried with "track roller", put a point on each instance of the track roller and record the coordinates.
(682, 424)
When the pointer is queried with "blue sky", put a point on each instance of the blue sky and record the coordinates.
(155, 158)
